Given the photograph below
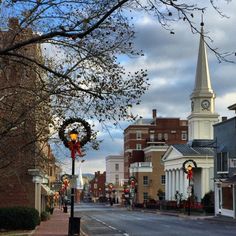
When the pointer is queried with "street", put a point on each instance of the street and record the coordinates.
(99, 219)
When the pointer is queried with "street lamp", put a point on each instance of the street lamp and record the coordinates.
(188, 169)
(74, 145)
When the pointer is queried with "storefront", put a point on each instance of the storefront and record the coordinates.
(225, 197)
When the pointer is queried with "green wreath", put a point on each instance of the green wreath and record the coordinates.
(187, 161)
(69, 121)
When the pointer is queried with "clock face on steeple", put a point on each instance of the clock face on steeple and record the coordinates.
(205, 104)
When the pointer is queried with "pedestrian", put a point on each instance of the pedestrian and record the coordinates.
(177, 198)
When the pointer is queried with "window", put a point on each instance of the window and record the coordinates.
(232, 163)
(159, 136)
(227, 197)
(145, 196)
(95, 186)
(184, 135)
(152, 139)
(165, 136)
(138, 146)
(116, 167)
(117, 179)
(222, 162)
(138, 135)
(145, 180)
(163, 179)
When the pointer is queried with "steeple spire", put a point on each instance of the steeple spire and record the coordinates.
(203, 114)
(202, 79)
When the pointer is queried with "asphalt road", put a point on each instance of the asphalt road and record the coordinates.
(98, 219)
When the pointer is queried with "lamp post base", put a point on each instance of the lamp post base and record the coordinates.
(74, 226)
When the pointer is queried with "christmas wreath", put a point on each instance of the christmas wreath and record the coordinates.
(69, 121)
(186, 163)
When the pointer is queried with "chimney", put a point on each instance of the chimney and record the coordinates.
(224, 118)
(154, 113)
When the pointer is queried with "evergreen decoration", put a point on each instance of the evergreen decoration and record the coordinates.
(69, 121)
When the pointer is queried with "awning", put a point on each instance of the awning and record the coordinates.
(230, 180)
(45, 190)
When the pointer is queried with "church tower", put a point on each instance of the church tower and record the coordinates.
(203, 114)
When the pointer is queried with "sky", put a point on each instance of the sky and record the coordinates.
(171, 63)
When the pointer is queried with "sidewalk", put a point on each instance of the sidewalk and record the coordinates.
(56, 226)
(192, 216)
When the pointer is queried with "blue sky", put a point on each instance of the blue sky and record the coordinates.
(171, 64)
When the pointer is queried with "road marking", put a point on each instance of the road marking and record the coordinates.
(112, 227)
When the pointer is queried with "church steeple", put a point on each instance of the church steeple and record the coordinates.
(203, 114)
(202, 79)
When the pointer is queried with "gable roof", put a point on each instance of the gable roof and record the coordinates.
(187, 150)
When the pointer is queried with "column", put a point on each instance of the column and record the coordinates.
(166, 185)
(207, 180)
(203, 182)
(181, 181)
(173, 185)
(177, 180)
(169, 185)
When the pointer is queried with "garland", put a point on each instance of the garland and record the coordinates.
(69, 121)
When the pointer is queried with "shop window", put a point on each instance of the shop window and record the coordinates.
(227, 197)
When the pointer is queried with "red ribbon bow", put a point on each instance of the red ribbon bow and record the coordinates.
(75, 148)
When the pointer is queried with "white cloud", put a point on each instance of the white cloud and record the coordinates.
(171, 63)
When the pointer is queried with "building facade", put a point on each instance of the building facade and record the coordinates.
(150, 174)
(25, 156)
(145, 142)
(97, 186)
(151, 132)
(115, 174)
(225, 167)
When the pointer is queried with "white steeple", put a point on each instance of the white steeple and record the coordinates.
(203, 114)
(202, 79)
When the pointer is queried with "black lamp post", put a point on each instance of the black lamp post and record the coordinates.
(188, 169)
(189, 176)
(74, 145)
(74, 139)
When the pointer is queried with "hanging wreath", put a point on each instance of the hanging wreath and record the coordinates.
(188, 162)
(69, 121)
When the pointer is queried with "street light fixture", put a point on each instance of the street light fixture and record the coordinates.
(74, 145)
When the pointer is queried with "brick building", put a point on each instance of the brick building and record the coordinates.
(26, 160)
(97, 186)
(145, 142)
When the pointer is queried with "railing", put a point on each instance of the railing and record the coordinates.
(141, 164)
